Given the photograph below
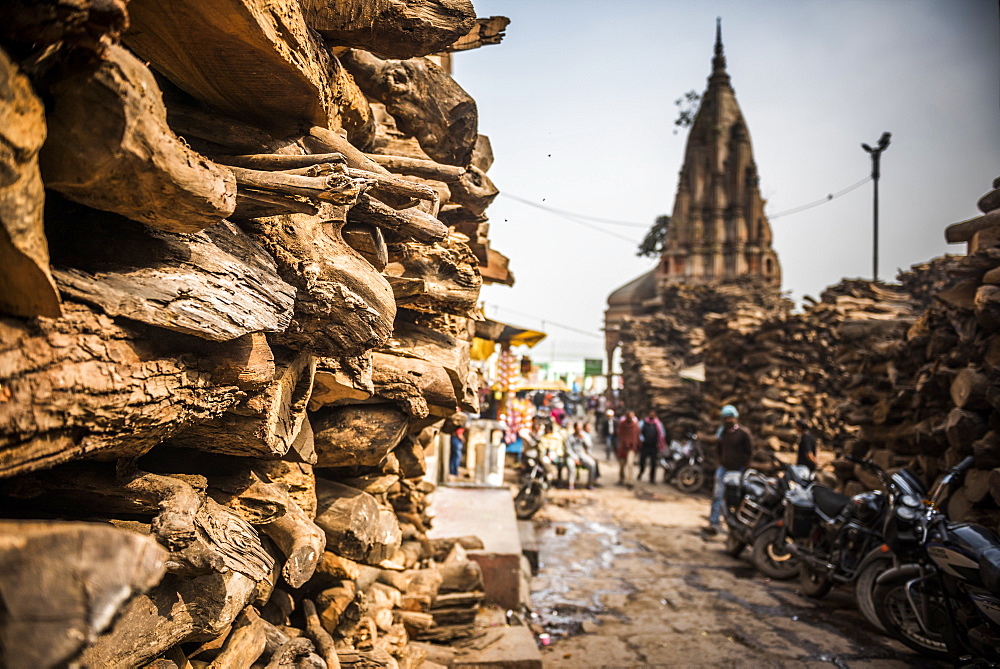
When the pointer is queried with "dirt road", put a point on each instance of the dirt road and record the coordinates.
(626, 580)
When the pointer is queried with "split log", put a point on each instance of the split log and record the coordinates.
(469, 186)
(496, 269)
(417, 385)
(450, 353)
(411, 458)
(986, 451)
(486, 31)
(343, 307)
(332, 603)
(87, 25)
(217, 284)
(349, 517)
(265, 423)
(177, 610)
(976, 485)
(987, 302)
(444, 278)
(369, 241)
(26, 286)
(295, 478)
(109, 147)
(425, 102)
(245, 492)
(412, 222)
(357, 435)
(63, 583)
(246, 58)
(968, 389)
(300, 540)
(386, 537)
(340, 380)
(222, 134)
(110, 389)
(334, 568)
(244, 644)
(392, 28)
(247, 362)
(963, 428)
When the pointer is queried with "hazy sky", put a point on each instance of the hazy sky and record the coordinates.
(578, 101)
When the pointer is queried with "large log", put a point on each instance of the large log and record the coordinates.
(267, 422)
(357, 435)
(300, 540)
(109, 147)
(451, 353)
(392, 28)
(343, 306)
(178, 610)
(425, 102)
(342, 380)
(63, 583)
(444, 278)
(244, 644)
(419, 386)
(85, 385)
(26, 287)
(218, 284)
(251, 59)
(350, 519)
(486, 31)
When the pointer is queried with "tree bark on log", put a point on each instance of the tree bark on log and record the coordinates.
(110, 389)
(349, 517)
(250, 59)
(392, 28)
(265, 423)
(425, 102)
(109, 147)
(444, 278)
(358, 434)
(217, 284)
(244, 644)
(343, 306)
(26, 286)
(177, 610)
(64, 582)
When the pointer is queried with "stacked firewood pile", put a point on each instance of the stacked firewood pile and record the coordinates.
(784, 368)
(933, 394)
(657, 347)
(242, 245)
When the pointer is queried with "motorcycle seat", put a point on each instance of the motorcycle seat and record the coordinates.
(989, 569)
(830, 503)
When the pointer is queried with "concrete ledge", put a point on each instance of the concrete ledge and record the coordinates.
(487, 513)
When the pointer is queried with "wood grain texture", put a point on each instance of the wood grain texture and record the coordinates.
(109, 147)
(26, 286)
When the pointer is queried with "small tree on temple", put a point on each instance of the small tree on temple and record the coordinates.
(651, 245)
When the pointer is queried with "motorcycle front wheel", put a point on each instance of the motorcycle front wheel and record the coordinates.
(812, 583)
(900, 619)
(864, 589)
(529, 500)
(690, 478)
(772, 557)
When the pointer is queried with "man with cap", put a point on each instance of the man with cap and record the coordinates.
(735, 448)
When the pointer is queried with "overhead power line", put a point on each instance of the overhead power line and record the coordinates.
(547, 321)
(831, 196)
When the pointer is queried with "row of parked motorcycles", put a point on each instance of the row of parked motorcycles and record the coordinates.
(932, 583)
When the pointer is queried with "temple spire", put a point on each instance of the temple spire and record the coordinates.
(719, 61)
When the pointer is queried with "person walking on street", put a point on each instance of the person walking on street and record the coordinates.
(807, 446)
(628, 445)
(577, 455)
(735, 448)
(607, 429)
(653, 441)
(457, 447)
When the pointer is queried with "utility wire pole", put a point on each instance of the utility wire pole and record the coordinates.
(876, 154)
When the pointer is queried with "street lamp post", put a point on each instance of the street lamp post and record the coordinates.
(876, 153)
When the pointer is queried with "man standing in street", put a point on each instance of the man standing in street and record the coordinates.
(807, 446)
(735, 448)
(628, 445)
(653, 441)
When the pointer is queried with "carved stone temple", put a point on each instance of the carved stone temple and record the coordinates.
(719, 237)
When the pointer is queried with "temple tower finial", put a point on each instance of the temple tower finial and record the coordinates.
(719, 61)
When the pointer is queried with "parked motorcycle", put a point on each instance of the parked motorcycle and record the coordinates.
(945, 601)
(684, 464)
(534, 480)
(840, 539)
(753, 501)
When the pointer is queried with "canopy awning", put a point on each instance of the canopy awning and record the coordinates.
(490, 332)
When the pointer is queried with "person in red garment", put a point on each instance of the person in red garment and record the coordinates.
(628, 446)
